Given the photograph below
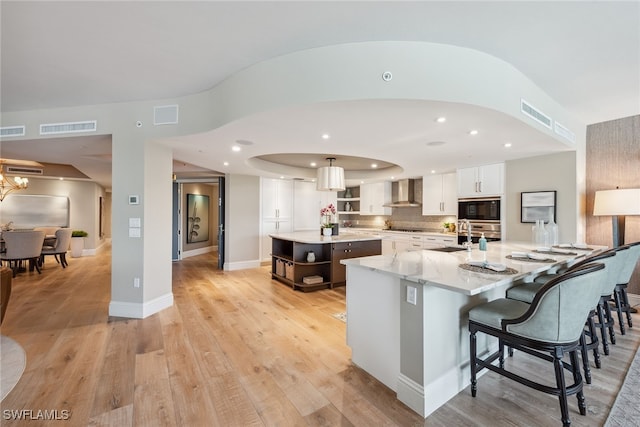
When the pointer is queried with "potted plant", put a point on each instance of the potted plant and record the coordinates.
(77, 242)
(326, 216)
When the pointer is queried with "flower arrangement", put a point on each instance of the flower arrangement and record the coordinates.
(326, 215)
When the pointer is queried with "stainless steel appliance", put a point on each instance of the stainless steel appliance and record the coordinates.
(491, 230)
(480, 209)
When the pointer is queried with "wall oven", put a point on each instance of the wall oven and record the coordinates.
(483, 215)
(479, 209)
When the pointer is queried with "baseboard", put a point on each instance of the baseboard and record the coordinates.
(140, 310)
(199, 251)
(241, 265)
(411, 394)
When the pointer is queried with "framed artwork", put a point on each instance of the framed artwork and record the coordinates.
(197, 218)
(538, 205)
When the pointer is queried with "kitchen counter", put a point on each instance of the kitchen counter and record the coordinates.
(313, 237)
(407, 322)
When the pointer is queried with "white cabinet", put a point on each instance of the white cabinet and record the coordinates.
(373, 197)
(487, 180)
(276, 211)
(434, 241)
(439, 194)
(307, 202)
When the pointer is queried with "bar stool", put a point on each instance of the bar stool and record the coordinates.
(620, 291)
(527, 292)
(548, 328)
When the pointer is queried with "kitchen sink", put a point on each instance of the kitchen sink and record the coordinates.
(448, 249)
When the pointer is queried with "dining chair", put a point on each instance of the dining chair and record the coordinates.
(548, 328)
(22, 246)
(60, 247)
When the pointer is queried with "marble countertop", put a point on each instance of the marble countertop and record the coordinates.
(400, 232)
(442, 269)
(314, 237)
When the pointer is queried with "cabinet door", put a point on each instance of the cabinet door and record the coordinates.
(373, 197)
(432, 195)
(491, 178)
(277, 198)
(468, 182)
(449, 194)
(307, 202)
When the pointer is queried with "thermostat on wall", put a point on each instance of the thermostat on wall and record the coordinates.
(133, 199)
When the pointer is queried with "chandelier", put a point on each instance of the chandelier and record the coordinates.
(330, 178)
(10, 183)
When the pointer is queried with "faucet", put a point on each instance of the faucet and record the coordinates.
(468, 232)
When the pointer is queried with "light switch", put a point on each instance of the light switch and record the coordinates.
(412, 295)
(134, 222)
(134, 232)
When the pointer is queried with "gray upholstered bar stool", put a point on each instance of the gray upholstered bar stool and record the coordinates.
(527, 292)
(548, 328)
(620, 291)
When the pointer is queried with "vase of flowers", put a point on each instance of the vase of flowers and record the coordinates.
(326, 219)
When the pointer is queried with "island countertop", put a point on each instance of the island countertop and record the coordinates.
(442, 269)
(314, 237)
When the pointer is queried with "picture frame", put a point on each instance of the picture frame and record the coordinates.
(197, 218)
(537, 205)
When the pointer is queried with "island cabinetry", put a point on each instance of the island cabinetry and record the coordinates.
(291, 264)
(346, 250)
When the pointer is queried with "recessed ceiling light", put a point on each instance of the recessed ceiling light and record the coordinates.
(433, 171)
(312, 164)
(281, 177)
(393, 177)
(507, 145)
(374, 165)
(473, 132)
(361, 182)
(441, 119)
(435, 143)
(226, 163)
(326, 136)
(236, 148)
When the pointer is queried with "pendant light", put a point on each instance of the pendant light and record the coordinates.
(330, 178)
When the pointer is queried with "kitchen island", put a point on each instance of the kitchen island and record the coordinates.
(407, 315)
(308, 261)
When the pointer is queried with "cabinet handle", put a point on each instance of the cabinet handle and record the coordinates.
(480, 187)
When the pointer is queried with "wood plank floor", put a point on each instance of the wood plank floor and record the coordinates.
(236, 349)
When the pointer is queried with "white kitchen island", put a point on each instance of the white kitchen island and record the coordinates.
(407, 316)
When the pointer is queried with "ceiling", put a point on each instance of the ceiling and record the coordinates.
(585, 55)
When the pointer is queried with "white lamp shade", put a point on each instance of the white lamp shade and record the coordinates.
(330, 178)
(617, 202)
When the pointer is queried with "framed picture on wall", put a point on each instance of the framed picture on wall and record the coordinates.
(538, 205)
(197, 218)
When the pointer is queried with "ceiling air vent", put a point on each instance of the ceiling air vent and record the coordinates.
(565, 132)
(165, 115)
(9, 131)
(23, 170)
(71, 127)
(535, 114)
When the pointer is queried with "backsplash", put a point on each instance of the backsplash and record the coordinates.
(400, 218)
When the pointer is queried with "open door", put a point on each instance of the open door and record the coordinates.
(221, 232)
(175, 223)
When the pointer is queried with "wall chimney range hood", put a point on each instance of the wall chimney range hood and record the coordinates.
(405, 194)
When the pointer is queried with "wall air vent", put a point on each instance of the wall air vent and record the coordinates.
(70, 127)
(165, 115)
(23, 170)
(537, 115)
(9, 131)
(564, 132)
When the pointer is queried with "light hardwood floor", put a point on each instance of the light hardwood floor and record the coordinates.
(236, 349)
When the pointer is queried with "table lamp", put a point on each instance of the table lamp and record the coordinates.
(617, 203)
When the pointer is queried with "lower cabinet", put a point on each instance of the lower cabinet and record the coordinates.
(291, 263)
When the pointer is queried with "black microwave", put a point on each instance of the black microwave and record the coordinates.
(479, 209)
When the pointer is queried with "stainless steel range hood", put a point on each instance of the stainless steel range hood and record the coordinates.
(403, 194)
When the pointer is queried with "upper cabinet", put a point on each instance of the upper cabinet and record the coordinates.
(373, 197)
(487, 180)
(439, 194)
(307, 204)
(277, 199)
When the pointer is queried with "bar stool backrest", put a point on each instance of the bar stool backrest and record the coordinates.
(559, 310)
(631, 259)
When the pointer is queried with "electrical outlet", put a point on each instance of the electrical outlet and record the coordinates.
(412, 295)
(136, 282)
